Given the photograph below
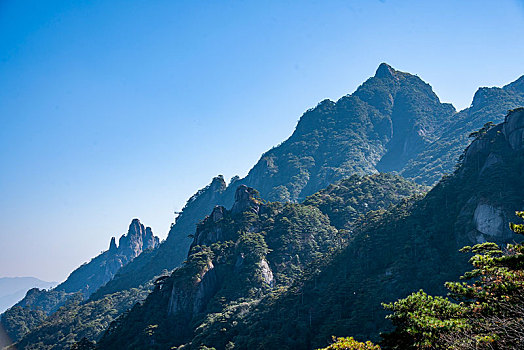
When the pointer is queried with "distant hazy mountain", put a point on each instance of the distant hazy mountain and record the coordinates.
(13, 289)
(37, 304)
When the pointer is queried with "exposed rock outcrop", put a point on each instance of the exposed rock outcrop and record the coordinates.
(188, 299)
(190, 296)
(267, 274)
(138, 239)
(493, 151)
(245, 200)
(91, 276)
(489, 221)
(218, 213)
(211, 231)
(514, 128)
(481, 148)
(112, 245)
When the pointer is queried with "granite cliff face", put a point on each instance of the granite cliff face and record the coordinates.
(494, 150)
(189, 298)
(514, 129)
(91, 276)
(137, 239)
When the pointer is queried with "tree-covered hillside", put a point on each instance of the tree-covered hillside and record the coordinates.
(244, 287)
(392, 122)
(78, 319)
(394, 253)
(243, 255)
(489, 105)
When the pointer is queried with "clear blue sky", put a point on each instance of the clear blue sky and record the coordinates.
(112, 110)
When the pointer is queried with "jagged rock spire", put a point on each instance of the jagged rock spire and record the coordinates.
(245, 200)
(112, 245)
(384, 70)
(137, 239)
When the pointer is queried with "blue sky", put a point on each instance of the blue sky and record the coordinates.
(112, 110)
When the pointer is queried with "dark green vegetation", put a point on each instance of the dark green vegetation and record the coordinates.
(391, 254)
(77, 319)
(274, 275)
(247, 254)
(31, 311)
(350, 343)
(486, 313)
(347, 200)
(392, 122)
(216, 301)
(489, 105)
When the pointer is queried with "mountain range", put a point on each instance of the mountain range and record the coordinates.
(392, 115)
(280, 251)
(276, 285)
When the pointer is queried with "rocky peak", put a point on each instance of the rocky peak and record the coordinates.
(218, 183)
(218, 213)
(325, 105)
(385, 71)
(112, 245)
(136, 227)
(137, 239)
(150, 240)
(245, 200)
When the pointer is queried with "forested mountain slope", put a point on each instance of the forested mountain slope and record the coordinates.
(13, 289)
(392, 254)
(243, 285)
(241, 255)
(489, 105)
(392, 122)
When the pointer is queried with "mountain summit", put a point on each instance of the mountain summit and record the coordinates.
(243, 260)
(91, 276)
(393, 122)
(386, 122)
(384, 70)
